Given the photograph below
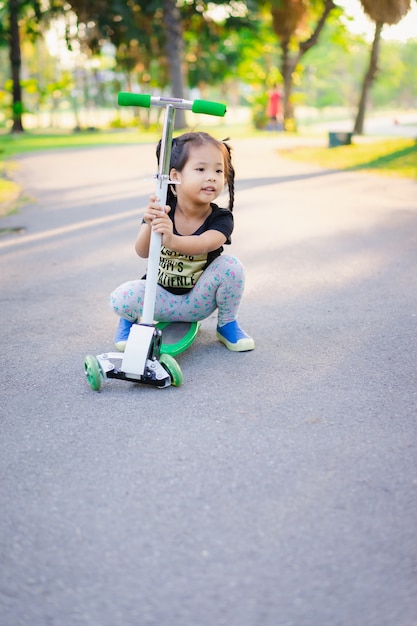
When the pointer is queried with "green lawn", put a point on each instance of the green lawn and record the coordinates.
(390, 157)
(11, 144)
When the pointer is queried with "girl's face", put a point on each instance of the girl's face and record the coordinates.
(202, 178)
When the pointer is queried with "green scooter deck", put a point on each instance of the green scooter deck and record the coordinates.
(177, 336)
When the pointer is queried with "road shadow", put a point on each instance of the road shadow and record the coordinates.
(243, 184)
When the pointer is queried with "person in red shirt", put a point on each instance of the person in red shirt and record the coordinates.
(274, 110)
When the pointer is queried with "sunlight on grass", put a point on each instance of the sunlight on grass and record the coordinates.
(15, 144)
(391, 157)
(11, 144)
(9, 193)
(7, 190)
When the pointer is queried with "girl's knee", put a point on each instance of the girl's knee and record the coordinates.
(233, 267)
(127, 296)
(114, 299)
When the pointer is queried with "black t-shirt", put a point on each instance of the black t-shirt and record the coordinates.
(178, 273)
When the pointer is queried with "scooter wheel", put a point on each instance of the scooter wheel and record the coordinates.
(92, 372)
(173, 369)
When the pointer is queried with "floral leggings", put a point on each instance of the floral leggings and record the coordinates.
(219, 287)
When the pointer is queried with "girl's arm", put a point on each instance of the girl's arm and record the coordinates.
(184, 244)
(194, 244)
(144, 236)
(160, 221)
(143, 240)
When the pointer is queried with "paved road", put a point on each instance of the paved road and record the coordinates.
(274, 488)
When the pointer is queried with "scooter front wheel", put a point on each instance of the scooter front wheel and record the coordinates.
(171, 366)
(92, 372)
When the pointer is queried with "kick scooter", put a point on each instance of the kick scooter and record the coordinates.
(151, 347)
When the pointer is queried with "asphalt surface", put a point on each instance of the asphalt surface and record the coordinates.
(274, 488)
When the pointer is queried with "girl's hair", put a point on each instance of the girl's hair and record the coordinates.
(179, 156)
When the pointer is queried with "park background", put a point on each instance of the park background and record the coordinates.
(345, 70)
(62, 63)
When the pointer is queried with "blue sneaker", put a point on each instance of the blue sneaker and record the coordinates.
(122, 334)
(234, 338)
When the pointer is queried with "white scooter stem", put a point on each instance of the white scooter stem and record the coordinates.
(161, 190)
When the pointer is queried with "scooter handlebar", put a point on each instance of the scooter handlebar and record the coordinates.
(126, 98)
(209, 108)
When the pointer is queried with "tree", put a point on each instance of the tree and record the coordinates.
(17, 15)
(150, 34)
(15, 65)
(141, 31)
(381, 12)
(16, 8)
(290, 21)
(175, 54)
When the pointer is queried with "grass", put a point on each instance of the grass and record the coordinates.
(8, 189)
(12, 144)
(389, 157)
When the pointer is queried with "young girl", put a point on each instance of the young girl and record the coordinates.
(194, 278)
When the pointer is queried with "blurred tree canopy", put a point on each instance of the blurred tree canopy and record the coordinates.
(237, 49)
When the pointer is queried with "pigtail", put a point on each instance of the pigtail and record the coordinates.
(171, 194)
(230, 174)
(231, 188)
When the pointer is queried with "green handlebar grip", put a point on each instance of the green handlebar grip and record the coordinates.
(127, 99)
(210, 108)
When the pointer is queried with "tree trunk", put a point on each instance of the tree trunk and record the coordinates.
(368, 80)
(287, 69)
(175, 55)
(15, 63)
(289, 63)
